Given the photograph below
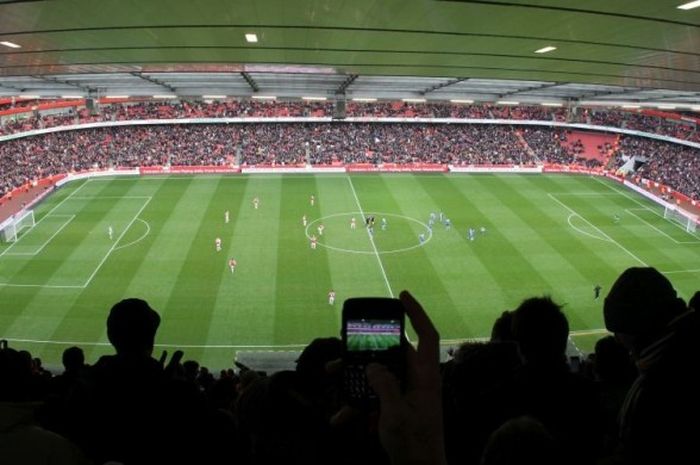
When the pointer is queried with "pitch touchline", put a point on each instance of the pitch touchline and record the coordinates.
(371, 239)
(589, 332)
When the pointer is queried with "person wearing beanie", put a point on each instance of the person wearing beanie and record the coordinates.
(644, 312)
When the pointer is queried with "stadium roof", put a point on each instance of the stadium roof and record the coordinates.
(483, 50)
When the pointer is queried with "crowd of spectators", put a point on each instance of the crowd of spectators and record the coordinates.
(681, 129)
(28, 158)
(550, 145)
(297, 144)
(514, 399)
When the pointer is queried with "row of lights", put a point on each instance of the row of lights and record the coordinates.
(626, 106)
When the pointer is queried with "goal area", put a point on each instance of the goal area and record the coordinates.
(682, 217)
(11, 229)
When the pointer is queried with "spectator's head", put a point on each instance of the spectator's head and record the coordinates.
(132, 326)
(612, 362)
(641, 303)
(16, 375)
(311, 364)
(501, 331)
(541, 331)
(694, 302)
(521, 440)
(73, 358)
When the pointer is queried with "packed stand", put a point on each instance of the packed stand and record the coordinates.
(25, 159)
(549, 144)
(683, 130)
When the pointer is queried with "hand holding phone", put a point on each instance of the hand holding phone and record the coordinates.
(410, 421)
(372, 332)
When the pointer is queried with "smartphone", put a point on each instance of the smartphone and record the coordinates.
(372, 331)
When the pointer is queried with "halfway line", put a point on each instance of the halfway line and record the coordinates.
(371, 239)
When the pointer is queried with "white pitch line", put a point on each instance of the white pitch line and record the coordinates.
(109, 252)
(599, 230)
(568, 220)
(184, 346)
(628, 210)
(46, 215)
(148, 230)
(72, 217)
(681, 271)
(590, 332)
(646, 207)
(51, 286)
(371, 239)
(118, 197)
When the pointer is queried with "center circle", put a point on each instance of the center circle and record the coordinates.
(342, 220)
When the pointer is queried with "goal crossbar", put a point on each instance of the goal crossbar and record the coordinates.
(684, 218)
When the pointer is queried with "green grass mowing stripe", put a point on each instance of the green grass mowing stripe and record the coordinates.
(352, 274)
(420, 270)
(244, 309)
(200, 268)
(496, 250)
(462, 268)
(303, 275)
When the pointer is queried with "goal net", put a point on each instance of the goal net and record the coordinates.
(11, 230)
(687, 220)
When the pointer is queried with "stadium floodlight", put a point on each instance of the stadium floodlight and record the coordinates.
(214, 97)
(9, 44)
(264, 97)
(413, 100)
(71, 96)
(685, 219)
(689, 5)
(458, 100)
(165, 96)
(666, 107)
(116, 96)
(631, 107)
(320, 99)
(551, 104)
(30, 96)
(364, 99)
(11, 230)
(507, 102)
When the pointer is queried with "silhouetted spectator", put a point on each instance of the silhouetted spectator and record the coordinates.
(129, 409)
(660, 413)
(567, 404)
(522, 441)
(22, 440)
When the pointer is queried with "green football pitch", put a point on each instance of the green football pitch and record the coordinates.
(544, 234)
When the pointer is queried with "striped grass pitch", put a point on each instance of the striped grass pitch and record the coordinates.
(544, 234)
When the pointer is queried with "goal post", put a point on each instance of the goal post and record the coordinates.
(11, 229)
(685, 219)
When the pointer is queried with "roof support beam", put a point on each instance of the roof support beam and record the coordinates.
(251, 82)
(442, 85)
(627, 90)
(345, 84)
(88, 90)
(530, 88)
(155, 81)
